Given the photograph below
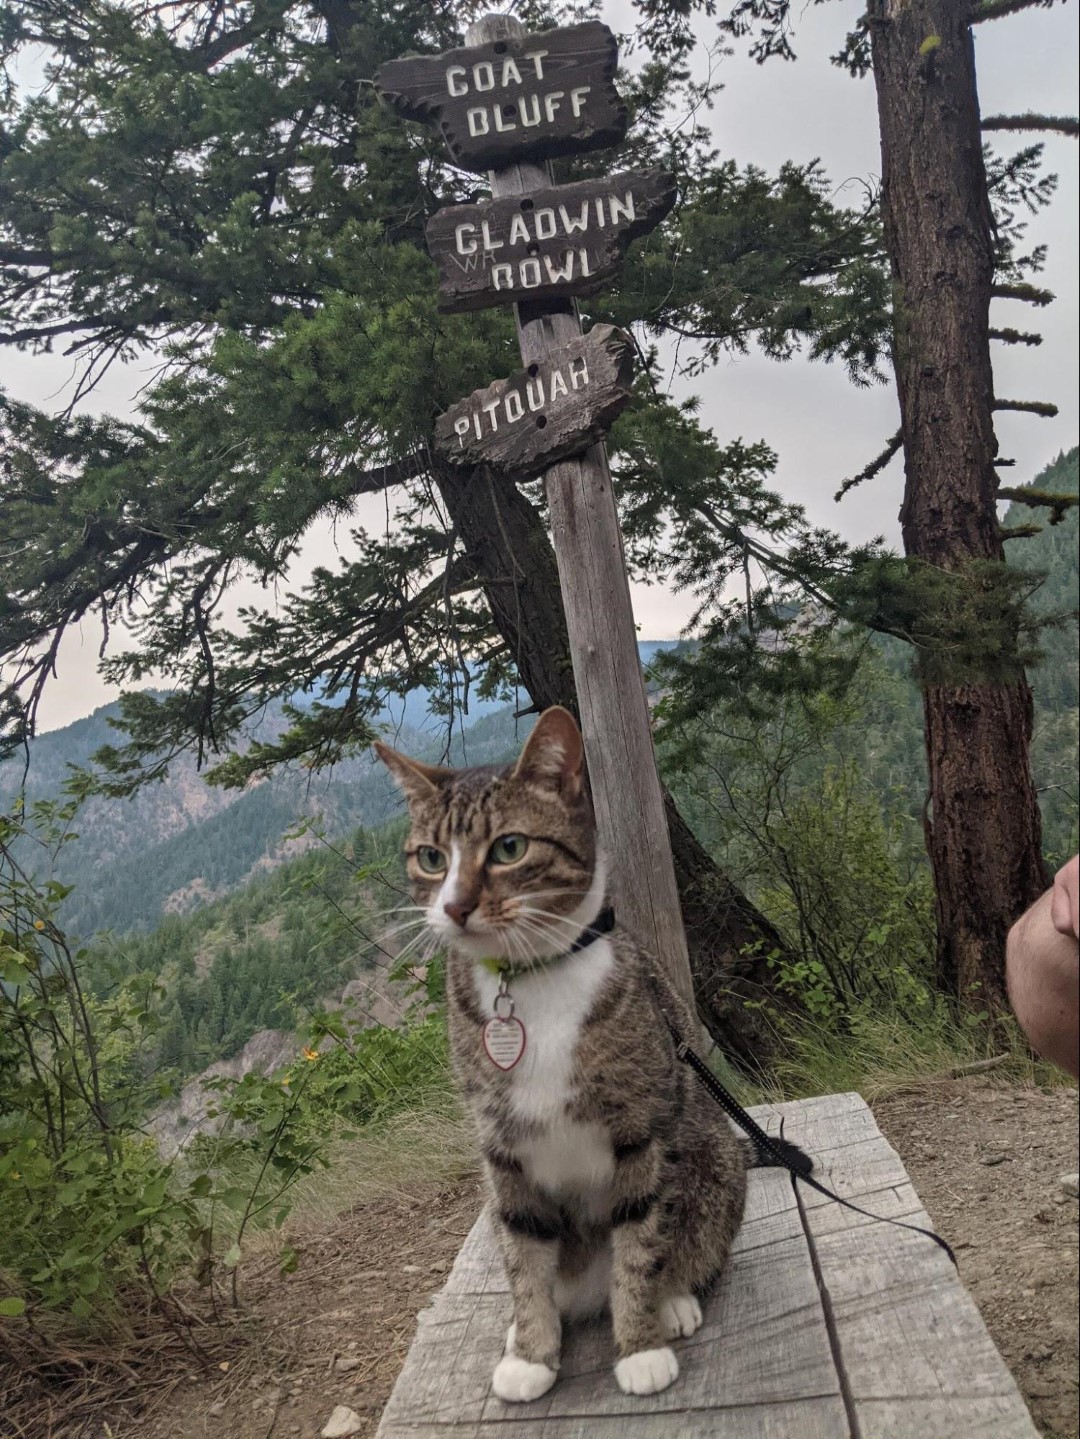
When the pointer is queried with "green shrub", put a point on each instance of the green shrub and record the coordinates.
(91, 1209)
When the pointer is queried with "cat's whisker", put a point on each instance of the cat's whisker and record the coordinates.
(406, 924)
(401, 954)
(530, 894)
(546, 938)
(397, 909)
(553, 922)
(394, 936)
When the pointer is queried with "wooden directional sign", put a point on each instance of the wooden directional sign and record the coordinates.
(535, 96)
(554, 409)
(567, 240)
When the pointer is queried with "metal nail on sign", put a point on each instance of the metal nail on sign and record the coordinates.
(554, 409)
(534, 97)
(566, 240)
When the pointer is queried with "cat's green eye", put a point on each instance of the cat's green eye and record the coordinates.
(508, 849)
(430, 859)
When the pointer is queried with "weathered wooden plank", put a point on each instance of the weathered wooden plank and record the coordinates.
(970, 1417)
(563, 240)
(820, 1418)
(556, 408)
(762, 1342)
(518, 96)
(761, 1358)
(916, 1355)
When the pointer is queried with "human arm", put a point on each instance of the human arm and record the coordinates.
(1043, 970)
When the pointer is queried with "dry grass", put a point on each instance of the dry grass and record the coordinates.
(421, 1146)
(890, 1053)
(57, 1382)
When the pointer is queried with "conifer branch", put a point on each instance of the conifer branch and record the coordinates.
(998, 9)
(1063, 124)
(875, 466)
(1057, 504)
(1028, 407)
(1016, 337)
(1030, 293)
(1018, 532)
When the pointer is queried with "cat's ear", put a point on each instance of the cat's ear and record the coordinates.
(554, 753)
(416, 779)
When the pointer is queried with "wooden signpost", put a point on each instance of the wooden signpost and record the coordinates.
(507, 100)
(554, 409)
(541, 95)
(566, 240)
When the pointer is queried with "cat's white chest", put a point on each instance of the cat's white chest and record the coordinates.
(552, 1004)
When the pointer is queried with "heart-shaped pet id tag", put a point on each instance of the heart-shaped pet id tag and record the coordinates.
(504, 1041)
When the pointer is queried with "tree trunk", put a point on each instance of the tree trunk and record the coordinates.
(508, 545)
(983, 827)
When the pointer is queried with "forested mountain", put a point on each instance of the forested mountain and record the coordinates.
(180, 844)
(183, 842)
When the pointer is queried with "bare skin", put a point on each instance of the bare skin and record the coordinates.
(1042, 961)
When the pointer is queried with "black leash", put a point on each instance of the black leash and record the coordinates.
(779, 1153)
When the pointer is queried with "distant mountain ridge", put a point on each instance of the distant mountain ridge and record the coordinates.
(181, 843)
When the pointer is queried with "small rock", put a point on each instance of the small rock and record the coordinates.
(346, 1363)
(989, 1159)
(216, 1410)
(410, 1269)
(440, 1266)
(952, 1116)
(1070, 1184)
(343, 1422)
(371, 1274)
(1041, 1355)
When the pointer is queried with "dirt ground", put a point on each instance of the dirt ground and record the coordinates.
(337, 1331)
(986, 1163)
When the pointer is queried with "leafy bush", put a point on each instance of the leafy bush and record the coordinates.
(375, 1073)
(91, 1209)
(834, 859)
(853, 900)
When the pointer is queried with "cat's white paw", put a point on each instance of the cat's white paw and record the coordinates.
(511, 1335)
(680, 1317)
(646, 1372)
(517, 1381)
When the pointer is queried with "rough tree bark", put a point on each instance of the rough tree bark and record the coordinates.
(983, 827)
(507, 544)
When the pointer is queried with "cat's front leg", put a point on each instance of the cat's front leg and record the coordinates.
(530, 1235)
(646, 1362)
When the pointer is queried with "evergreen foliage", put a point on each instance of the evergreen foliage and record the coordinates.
(231, 190)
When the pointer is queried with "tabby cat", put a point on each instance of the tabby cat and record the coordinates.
(614, 1179)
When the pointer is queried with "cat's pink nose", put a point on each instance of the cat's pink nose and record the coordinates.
(459, 913)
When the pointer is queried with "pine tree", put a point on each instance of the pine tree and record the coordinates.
(951, 229)
(220, 183)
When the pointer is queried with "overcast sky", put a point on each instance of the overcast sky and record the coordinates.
(821, 427)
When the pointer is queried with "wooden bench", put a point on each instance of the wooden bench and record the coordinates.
(826, 1326)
